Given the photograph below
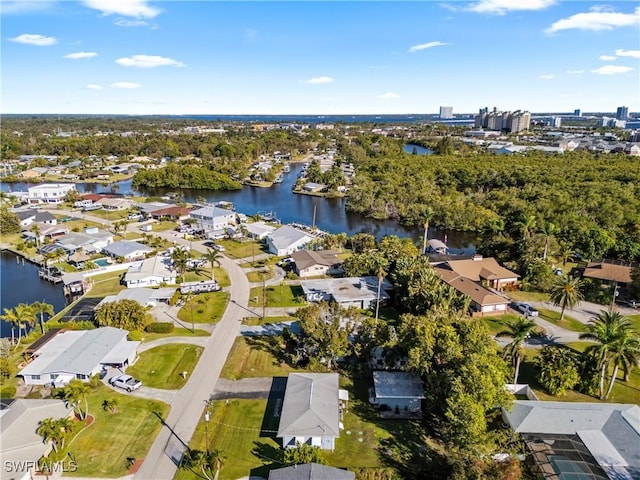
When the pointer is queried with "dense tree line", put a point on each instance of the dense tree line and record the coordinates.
(185, 175)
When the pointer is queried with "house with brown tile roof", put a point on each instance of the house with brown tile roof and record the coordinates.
(309, 263)
(483, 301)
(172, 213)
(487, 271)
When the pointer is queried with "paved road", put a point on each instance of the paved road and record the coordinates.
(586, 310)
(188, 404)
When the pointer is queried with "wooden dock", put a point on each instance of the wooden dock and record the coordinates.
(48, 277)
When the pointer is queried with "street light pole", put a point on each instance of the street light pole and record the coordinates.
(207, 417)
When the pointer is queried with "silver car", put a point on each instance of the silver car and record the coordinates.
(126, 382)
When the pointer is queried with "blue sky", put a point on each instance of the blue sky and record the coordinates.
(313, 57)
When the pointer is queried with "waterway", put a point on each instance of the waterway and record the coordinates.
(417, 149)
(289, 207)
(20, 283)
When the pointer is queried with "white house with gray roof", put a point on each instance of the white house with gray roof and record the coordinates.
(79, 354)
(127, 249)
(580, 440)
(20, 444)
(310, 411)
(359, 292)
(90, 241)
(151, 272)
(286, 240)
(147, 297)
(213, 219)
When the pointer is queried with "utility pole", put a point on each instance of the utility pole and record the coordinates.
(207, 417)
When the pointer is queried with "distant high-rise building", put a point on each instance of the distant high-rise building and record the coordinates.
(622, 113)
(446, 112)
(556, 122)
(577, 112)
(515, 122)
(484, 111)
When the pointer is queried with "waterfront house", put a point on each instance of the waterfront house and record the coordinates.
(310, 411)
(46, 232)
(174, 213)
(258, 230)
(151, 272)
(486, 271)
(311, 471)
(397, 394)
(114, 204)
(579, 440)
(50, 193)
(79, 354)
(313, 187)
(213, 219)
(128, 250)
(359, 292)
(286, 240)
(309, 263)
(21, 445)
(32, 173)
(92, 240)
(27, 217)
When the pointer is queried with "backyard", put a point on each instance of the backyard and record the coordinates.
(162, 367)
(106, 284)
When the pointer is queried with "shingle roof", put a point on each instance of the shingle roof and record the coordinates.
(310, 471)
(310, 406)
(397, 385)
(125, 248)
(471, 289)
(308, 258)
(286, 236)
(478, 268)
(608, 271)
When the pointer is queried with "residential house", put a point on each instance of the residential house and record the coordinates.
(313, 187)
(114, 204)
(92, 240)
(310, 411)
(483, 301)
(151, 272)
(21, 445)
(79, 354)
(632, 149)
(596, 441)
(286, 240)
(32, 173)
(487, 271)
(27, 217)
(147, 297)
(148, 207)
(310, 471)
(173, 212)
(128, 250)
(309, 263)
(359, 292)
(259, 230)
(49, 192)
(44, 232)
(609, 272)
(397, 394)
(213, 220)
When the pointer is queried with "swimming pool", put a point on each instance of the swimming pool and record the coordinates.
(102, 262)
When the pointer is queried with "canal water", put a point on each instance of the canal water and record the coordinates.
(19, 283)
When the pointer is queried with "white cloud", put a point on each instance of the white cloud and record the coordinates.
(250, 32)
(547, 77)
(319, 80)
(93, 86)
(128, 85)
(596, 19)
(628, 53)
(148, 61)
(388, 95)
(34, 39)
(123, 22)
(500, 7)
(575, 72)
(8, 7)
(79, 55)
(607, 58)
(127, 8)
(611, 70)
(424, 46)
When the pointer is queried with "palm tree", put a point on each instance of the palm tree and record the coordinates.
(212, 257)
(180, 258)
(42, 308)
(611, 330)
(527, 225)
(208, 463)
(20, 316)
(625, 352)
(75, 393)
(565, 293)
(548, 231)
(11, 317)
(519, 330)
(428, 214)
(35, 229)
(56, 431)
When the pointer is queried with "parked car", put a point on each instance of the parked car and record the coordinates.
(217, 247)
(285, 262)
(525, 309)
(126, 382)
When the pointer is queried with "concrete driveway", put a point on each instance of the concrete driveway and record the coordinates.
(252, 388)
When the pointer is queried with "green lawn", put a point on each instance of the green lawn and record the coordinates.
(106, 284)
(568, 323)
(260, 321)
(205, 274)
(578, 346)
(236, 249)
(102, 449)
(256, 357)
(520, 296)
(635, 321)
(256, 276)
(278, 296)
(109, 215)
(163, 226)
(204, 308)
(623, 392)
(162, 367)
(177, 332)
(498, 324)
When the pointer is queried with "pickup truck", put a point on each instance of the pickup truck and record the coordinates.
(524, 308)
(126, 382)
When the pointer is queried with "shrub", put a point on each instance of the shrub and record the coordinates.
(8, 391)
(160, 327)
(134, 336)
(174, 299)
